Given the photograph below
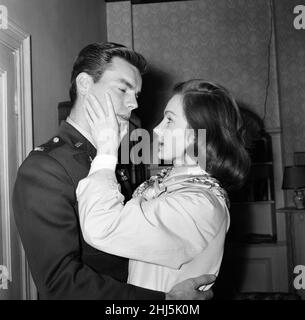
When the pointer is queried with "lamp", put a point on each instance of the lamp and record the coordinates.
(294, 178)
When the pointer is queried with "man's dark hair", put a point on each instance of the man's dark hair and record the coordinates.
(211, 107)
(95, 57)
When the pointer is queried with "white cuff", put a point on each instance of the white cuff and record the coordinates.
(103, 161)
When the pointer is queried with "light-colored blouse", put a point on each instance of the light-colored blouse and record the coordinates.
(172, 229)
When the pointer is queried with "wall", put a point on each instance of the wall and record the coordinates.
(291, 69)
(224, 41)
(58, 29)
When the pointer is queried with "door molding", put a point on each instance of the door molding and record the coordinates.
(18, 42)
(5, 202)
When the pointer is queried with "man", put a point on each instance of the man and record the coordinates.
(46, 213)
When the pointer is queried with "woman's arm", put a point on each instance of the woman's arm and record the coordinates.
(169, 230)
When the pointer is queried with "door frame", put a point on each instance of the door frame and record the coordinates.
(19, 43)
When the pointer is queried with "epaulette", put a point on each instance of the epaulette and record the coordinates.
(53, 143)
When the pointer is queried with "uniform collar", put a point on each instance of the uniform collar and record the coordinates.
(72, 136)
(85, 133)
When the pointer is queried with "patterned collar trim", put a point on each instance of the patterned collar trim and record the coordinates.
(164, 180)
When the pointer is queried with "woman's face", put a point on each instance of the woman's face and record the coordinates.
(173, 136)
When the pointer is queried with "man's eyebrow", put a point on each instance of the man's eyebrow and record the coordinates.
(128, 84)
(167, 111)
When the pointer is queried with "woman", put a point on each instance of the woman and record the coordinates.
(174, 226)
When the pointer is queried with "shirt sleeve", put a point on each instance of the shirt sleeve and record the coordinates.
(169, 230)
(104, 161)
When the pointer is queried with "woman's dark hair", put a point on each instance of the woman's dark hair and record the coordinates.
(211, 107)
(95, 57)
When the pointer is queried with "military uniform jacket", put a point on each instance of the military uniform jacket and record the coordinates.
(63, 266)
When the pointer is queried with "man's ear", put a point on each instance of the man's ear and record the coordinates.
(84, 83)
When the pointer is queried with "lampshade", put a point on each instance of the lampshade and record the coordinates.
(294, 177)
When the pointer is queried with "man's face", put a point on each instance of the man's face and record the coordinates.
(123, 82)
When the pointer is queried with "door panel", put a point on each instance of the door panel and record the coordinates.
(15, 143)
(8, 169)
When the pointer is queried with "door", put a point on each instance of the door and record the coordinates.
(15, 143)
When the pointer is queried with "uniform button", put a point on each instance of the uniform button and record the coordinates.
(56, 139)
(78, 144)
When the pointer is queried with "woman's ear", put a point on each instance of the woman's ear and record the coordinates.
(84, 83)
(190, 143)
(190, 137)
